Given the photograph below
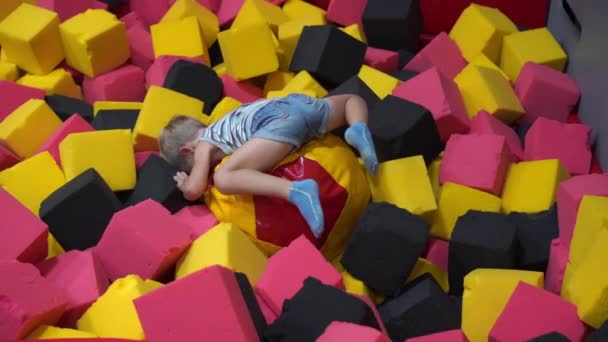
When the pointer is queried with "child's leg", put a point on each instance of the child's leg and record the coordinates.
(244, 172)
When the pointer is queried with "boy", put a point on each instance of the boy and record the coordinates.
(257, 136)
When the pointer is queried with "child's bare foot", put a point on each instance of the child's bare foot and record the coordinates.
(305, 195)
(359, 137)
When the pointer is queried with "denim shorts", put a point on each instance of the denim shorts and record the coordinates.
(294, 119)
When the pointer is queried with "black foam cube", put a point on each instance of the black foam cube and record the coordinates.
(385, 246)
(404, 75)
(393, 24)
(215, 53)
(155, 181)
(551, 337)
(421, 308)
(195, 80)
(329, 54)
(78, 212)
(259, 321)
(65, 107)
(535, 233)
(308, 313)
(600, 335)
(109, 119)
(405, 57)
(480, 240)
(522, 130)
(401, 128)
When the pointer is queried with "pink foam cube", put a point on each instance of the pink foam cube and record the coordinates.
(569, 196)
(7, 158)
(143, 239)
(558, 260)
(441, 52)
(478, 161)
(546, 92)
(74, 124)
(156, 73)
(142, 157)
(100, 5)
(13, 95)
(484, 123)
(140, 43)
(446, 336)
(66, 8)
(570, 143)
(28, 300)
(437, 253)
(287, 270)
(343, 331)
(81, 276)
(441, 97)
(383, 60)
(346, 12)
(126, 83)
(242, 91)
(532, 312)
(214, 294)
(151, 12)
(132, 19)
(269, 315)
(212, 5)
(228, 10)
(23, 234)
(198, 217)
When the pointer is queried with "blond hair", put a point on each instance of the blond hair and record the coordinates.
(180, 130)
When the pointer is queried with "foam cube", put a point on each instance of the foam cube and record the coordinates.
(28, 127)
(456, 200)
(437, 253)
(65, 107)
(355, 85)
(346, 13)
(142, 157)
(33, 180)
(392, 24)
(113, 314)
(8, 71)
(30, 38)
(441, 53)
(484, 123)
(115, 105)
(383, 60)
(95, 42)
(207, 20)
(540, 312)
(157, 72)
(598, 335)
(181, 37)
(242, 91)
(381, 83)
(66, 8)
(253, 306)
(303, 81)
(481, 29)
(195, 80)
(123, 84)
(444, 102)
(9, 6)
(140, 45)
(225, 106)
(422, 267)
(355, 31)
(14, 95)
(110, 153)
(556, 268)
(253, 42)
(58, 81)
(450, 335)
(198, 217)
(277, 80)
(115, 119)
(482, 60)
(47, 332)
(253, 12)
(296, 9)
(531, 187)
(486, 293)
(7, 158)
(340, 331)
(485, 89)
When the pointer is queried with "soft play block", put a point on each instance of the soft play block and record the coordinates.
(140, 45)
(7, 158)
(345, 12)
(29, 300)
(532, 186)
(486, 293)
(599, 335)
(8, 71)
(253, 12)
(422, 267)
(551, 337)
(28, 127)
(473, 245)
(242, 91)
(82, 278)
(383, 60)
(228, 11)
(85, 201)
(24, 234)
(253, 306)
(150, 13)
(437, 253)
(95, 42)
(159, 107)
(65, 107)
(157, 72)
(109, 152)
(302, 82)
(277, 80)
(296, 9)
(381, 83)
(288, 35)
(109, 119)
(195, 80)
(540, 312)
(376, 255)
(355, 31)
(546, 92)
(115, 105)
(123, 84)
(14, 95)
(342, 331)
(484, 123)
(353, 285)
(392, 24)
(537, 45)
(33, 180)
(142, 157)
(456, 200)
(66, 8)
(450, 335)
(198, 217)
(556, 268)
(441, 53)
(481, 29)
(180, 37)
(10, 5)
(151, 253)
(483, 61)
(225, 106)
(207, 20)
(281, 280)
(58, 81)
(570, 143)
(486, 89)
(215, 292)
(444, 102)
(47, 332)
(30, 39)
(113, 314)
(406, 173)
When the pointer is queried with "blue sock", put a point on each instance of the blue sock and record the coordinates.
(359, 136)
(305, 195)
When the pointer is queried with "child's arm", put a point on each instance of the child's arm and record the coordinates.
(194, 185)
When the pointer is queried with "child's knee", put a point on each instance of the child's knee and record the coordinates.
(222, 181)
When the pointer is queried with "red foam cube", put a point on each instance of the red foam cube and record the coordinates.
(142, 157)
(13, 95)
(74, 124)
(131, 19)
(437, 253)
(451, 336)
(346, 12)
(442, 53)
(198, 217)
(126, 83)
(484, 123)
(140, 44)
(156, 73)
(343, 331)
(7, 158)
(242, 91)
(151, 12)
(383, 60)
(558, 260)
(228, 10)
(155, 241)
(324, 4)
(66, 8)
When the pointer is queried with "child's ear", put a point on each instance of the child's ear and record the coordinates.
(186, 149)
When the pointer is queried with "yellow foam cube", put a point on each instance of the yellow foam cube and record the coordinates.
(58, 81)
(109, 152)
(32, 180)
(47, 332)
(113, 315)
(7, 6)
(159, 107)
(423, 266)
(108, 105)
(486, 293)
(297, 9)
(54, 247)
(181, 37)
(28, 127)
(486, 89)
(8, 71)
(538, 46)
(29, 36)
(530, 187)
(483, 61)
(3, 57)
(434, 170)
(406, 173)
(254, 12)
(355, 31)
(304, 81)
(379, 82)
(355, 286)
(277, 80)
(225, 106)
(454, 201)
(207, 20)
(481, 29)
(226, 245)
(248, 51)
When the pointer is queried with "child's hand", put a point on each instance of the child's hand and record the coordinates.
(180, 178)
